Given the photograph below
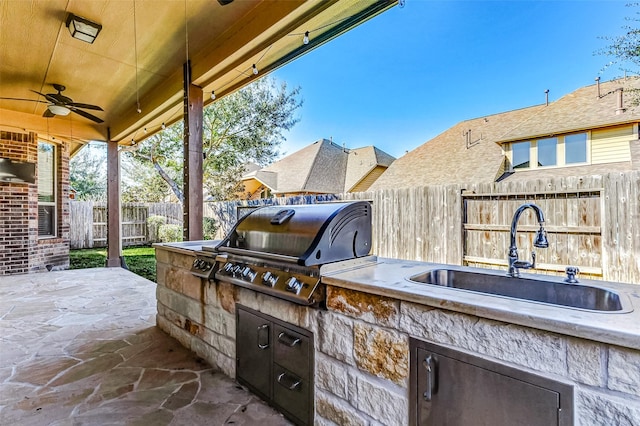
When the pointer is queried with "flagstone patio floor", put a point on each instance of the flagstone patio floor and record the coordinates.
(80, 347)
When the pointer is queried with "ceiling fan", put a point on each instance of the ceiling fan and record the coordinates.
(63, 105)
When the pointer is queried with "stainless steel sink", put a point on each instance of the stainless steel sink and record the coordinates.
(576, 296)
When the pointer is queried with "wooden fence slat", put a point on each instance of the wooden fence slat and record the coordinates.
(80, 224)
(633, 272)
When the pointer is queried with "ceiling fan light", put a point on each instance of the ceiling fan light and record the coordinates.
(59, 110)
(82, 28)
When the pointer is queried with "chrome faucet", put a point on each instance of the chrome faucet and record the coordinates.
(541, 241)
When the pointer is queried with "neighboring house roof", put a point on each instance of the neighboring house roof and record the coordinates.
(580, 110)
(470, 151)
(251, 167)
(448, 158)
(322, 167)
(362, 161)
(267, 178)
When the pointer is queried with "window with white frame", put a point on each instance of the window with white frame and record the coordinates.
(575, 148)
(521, 155)
(47, 196)
(549, 152)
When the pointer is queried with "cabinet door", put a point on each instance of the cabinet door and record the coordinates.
(253, 353)
(455, 393)
(291, 394)
(291, 349)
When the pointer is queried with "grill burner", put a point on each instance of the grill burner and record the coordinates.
(284, 250)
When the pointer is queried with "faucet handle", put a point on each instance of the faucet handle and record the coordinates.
(571, 271)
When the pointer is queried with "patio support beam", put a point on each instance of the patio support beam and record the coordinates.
(193, 159)
(114, 240)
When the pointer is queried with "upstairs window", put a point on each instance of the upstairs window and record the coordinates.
(521, 155)
(575, 148)
(547, 152)
(47, 197)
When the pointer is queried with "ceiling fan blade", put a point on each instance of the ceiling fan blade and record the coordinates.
(23, 99)
(85, 106)
(48, 114)
(87, 115)
(47, 97)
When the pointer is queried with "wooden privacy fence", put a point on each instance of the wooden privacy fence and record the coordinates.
(88, 227)
(572, 222)
(592, 222)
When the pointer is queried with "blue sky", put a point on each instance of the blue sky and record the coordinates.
(410, 73)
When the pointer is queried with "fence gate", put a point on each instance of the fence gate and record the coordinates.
(572, 221)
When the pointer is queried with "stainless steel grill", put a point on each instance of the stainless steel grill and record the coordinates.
(283, 250)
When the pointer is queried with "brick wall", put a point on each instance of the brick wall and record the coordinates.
(20, 249)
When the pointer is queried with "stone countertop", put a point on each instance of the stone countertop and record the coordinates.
(388, 277)
(186, 247)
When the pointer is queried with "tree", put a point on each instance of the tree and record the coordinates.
(246, 126)
(154, 167)
(88, 173)
(142, 184)
(625, 49)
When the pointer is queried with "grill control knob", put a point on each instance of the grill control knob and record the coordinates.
(293, 285)
(248, 274)
(269, 279)
(228, 267)
(237, 270)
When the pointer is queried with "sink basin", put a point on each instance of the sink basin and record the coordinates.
(576, 296)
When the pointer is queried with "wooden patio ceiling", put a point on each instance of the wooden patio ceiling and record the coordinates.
(137, 59)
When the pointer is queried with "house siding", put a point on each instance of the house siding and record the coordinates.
(20, 249)
(368, 180)
(611, 145)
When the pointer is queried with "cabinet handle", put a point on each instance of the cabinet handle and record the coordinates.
(288, 340)
(288, 382)
(261, 333)
(429, 363)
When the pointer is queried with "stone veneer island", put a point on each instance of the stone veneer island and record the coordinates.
(362, 338)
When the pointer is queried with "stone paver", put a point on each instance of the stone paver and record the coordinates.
(81, 348)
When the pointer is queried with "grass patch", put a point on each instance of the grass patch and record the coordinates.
(140, 260)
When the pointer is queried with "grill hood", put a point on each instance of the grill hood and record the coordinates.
(310, 234)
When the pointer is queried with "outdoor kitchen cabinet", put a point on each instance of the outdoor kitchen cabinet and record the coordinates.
(453, 388)
(275, 360)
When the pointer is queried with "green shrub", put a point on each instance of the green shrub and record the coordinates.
(170, 233)
(209, 228)
(153, 227)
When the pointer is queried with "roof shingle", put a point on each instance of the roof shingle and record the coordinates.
(322, 167)
(470, 151)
